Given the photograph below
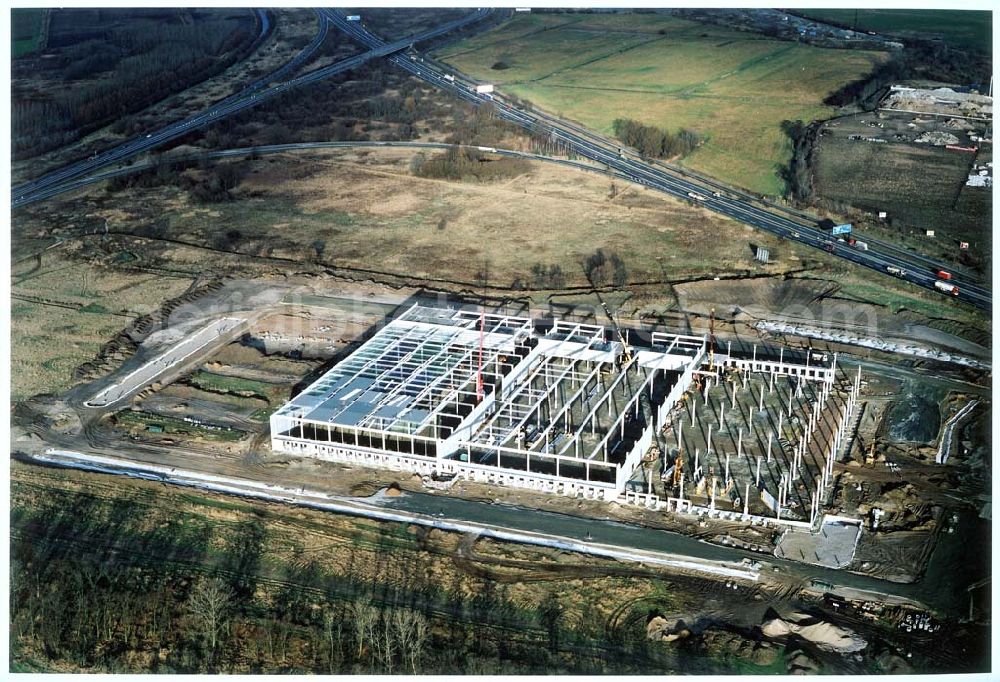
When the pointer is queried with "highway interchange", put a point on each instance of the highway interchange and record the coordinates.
(250, 96)
(619, 162)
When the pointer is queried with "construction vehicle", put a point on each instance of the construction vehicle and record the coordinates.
(946, 288)
(943, 274)
(898, 272)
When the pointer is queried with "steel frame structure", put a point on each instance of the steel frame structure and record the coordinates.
(565, 411)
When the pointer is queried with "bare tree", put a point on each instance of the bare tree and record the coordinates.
(387, 644)
(365, 617)
(413, 631)
(207, 605)
(333, 630)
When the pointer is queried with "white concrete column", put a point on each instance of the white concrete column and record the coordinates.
(756, 479)
(708, 449)
(746, 500)
(770, 436)
(727, 471)
(739, 444)
(722, 415)
(760, 405)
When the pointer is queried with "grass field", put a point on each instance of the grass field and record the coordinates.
(52, 331)
(26, 30)
(217, 383)
(144, 421)
(732, 87)
(961, 28)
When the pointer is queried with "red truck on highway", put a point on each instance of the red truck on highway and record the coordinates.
(943, 275)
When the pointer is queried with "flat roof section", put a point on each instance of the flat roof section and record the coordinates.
(397, 378)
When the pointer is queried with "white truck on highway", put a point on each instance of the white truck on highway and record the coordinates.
(898, 272)
(484, 89)
(353, 17)
(449, 77)
(946, 287)
(697, 197)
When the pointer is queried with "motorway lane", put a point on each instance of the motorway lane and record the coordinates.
(656, 178)
(35, 190)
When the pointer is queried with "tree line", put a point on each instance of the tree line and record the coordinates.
(653, 142)
(469, 165)
(919, 59)
(96, 586)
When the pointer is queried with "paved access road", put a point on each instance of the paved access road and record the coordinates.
(147, 373)
(656, 176)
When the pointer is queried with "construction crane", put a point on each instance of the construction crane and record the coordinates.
(627, 351)
(479, 372)
(711, 340)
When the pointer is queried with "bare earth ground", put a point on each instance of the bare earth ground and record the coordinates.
(920, 186)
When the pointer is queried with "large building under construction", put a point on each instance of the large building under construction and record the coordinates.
(487, 397)
(565, 409)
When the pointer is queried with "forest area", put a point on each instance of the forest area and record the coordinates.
(100, 65)
(112, 576)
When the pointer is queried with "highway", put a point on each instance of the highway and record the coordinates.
(249, 97)
(583, 143)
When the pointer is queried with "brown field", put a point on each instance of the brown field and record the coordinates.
(63, 310)
(371, 214)
(921, 187)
